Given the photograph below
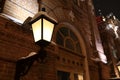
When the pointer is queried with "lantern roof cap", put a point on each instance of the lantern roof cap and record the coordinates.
(42, 13)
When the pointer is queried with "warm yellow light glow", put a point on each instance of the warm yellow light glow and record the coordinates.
(119, 68)
(47, 30)
(80, 77)
(36, 26)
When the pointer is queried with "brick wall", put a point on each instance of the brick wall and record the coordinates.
(20, 9)
(16, 42)
(7, 69)
(11, 47)
(104, 71)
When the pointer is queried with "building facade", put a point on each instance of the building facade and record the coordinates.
(109, 31)
(75, 53)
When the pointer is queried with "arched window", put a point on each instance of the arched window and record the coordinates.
(67, 39)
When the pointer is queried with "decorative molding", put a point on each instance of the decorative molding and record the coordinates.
(71, 14)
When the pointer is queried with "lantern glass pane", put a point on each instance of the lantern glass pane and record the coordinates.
(36, 27)
(47, 30)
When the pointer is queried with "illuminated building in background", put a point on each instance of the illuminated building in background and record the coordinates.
(109, 32)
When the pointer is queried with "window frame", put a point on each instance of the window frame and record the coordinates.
(75, 41)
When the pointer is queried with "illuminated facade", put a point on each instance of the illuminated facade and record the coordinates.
(75, 53)
(109, 31)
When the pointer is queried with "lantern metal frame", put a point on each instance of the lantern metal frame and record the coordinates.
(42, 15)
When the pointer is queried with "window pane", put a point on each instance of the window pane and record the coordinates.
(64, 31)
(59, 39)
(47, 30)
(63, 75)
(75, 76)
(36, 27)
(73, 36)
(78, 48)
(69, 44)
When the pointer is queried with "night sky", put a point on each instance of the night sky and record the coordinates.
(107, 7)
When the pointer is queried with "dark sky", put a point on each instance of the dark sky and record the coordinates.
(107, 7)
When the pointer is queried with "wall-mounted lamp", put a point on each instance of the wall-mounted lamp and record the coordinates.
(42, 26)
